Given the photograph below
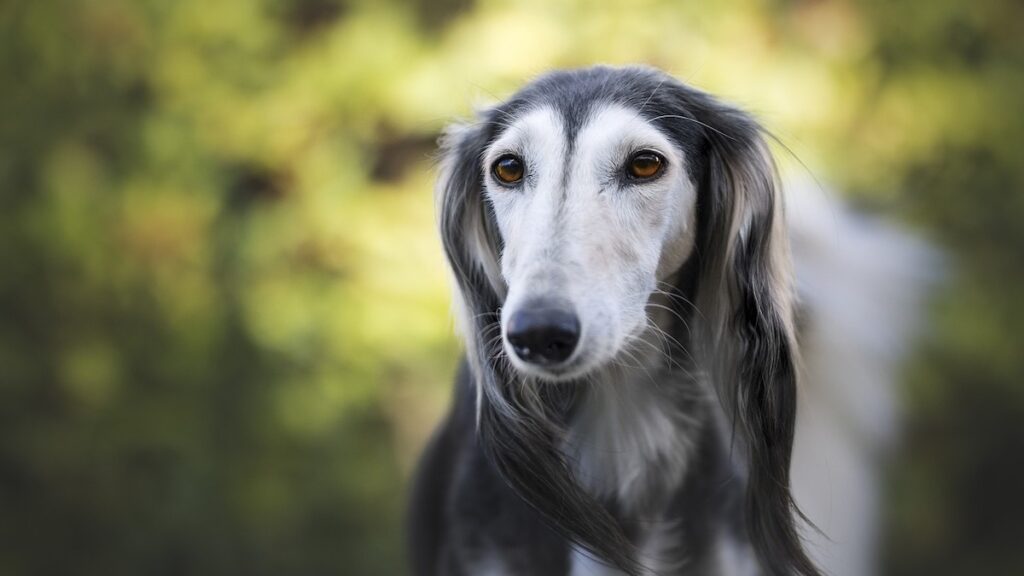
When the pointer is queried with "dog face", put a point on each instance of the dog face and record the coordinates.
(591, 218)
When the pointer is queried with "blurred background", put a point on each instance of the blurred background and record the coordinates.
(224, 326)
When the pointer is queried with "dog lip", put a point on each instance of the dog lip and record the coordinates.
(573, 370)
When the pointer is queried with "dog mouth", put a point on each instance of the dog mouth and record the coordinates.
(570, 371)
(547, 339)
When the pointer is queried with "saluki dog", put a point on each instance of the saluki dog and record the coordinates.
(628, 402)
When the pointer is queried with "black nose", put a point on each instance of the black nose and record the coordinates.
(543, 333)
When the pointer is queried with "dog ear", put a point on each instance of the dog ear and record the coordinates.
(745, 295)
(517, 425)
(468, 230)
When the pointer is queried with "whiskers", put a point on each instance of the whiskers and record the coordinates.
(651, 344)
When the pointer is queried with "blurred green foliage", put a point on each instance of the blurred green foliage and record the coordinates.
(223, 314)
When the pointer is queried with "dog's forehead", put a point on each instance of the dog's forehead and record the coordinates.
(545, 130)
(576, 96)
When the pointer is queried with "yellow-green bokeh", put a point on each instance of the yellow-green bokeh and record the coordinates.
(225, 330)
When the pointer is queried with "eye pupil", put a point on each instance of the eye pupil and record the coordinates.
(508, 169)
(645, 165)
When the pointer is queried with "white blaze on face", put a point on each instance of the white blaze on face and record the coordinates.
(578, 230)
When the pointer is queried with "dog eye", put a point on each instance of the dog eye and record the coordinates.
(645, 165)
(508, 169)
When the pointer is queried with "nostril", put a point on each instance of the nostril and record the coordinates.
(543, 334)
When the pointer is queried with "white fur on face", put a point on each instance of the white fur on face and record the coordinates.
(576, 230)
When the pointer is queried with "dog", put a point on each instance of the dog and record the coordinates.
(633, 329)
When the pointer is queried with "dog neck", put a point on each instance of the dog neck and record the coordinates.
(637, 423)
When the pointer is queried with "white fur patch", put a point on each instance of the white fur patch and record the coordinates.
(574, 229)
(631, 440)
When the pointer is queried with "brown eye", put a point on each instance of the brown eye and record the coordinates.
(508, 169)
(644, 165)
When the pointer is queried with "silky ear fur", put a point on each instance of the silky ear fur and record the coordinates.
(745, 295)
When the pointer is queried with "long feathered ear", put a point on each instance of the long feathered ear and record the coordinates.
(745, 295)
(518, 423)
(468, 231)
